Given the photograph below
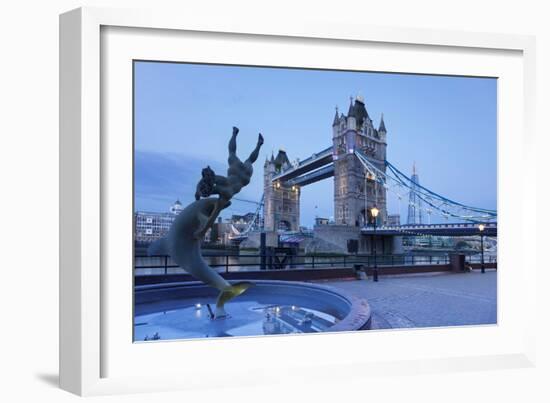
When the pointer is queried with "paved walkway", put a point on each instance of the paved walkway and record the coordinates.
(428, 300)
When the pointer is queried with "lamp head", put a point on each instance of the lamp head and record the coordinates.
(374, 211)
(481, 227)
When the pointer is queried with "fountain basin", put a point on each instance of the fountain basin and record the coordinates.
(180, 311)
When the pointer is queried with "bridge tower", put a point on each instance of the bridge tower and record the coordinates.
(351, 132)
(281, 201)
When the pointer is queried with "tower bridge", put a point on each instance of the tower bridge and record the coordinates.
(356, 160)
(354, 192)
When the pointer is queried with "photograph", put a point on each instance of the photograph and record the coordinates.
(247, 201)
(276, 201)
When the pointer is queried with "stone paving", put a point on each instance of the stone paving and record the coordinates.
(427, 300)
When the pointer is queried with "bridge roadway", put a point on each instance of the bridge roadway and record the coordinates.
(316, 161)
(312, 177)
(451, 229)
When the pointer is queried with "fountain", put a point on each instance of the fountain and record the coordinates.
(181, 311)
(196, 310)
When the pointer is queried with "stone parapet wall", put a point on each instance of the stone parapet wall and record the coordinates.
(336, 234)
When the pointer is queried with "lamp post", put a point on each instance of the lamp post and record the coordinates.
(481, 228)
(374, 212)
(365, 215)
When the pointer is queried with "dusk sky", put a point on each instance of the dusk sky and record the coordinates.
(184, 114)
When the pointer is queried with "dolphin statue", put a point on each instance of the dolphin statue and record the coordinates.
(183, 244)
(183, 241)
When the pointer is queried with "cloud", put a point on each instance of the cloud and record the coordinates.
(161, 178)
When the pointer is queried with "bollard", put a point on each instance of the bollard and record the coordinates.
(360, 272)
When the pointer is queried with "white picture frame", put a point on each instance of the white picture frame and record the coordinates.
(94, 359)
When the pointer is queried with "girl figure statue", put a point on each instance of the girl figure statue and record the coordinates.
(238, 176)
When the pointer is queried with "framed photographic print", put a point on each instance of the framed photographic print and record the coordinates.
(279, 199)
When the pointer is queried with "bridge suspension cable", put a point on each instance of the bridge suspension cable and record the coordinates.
(437, 196)
(437, 203)
(250, 201)
(252, 222)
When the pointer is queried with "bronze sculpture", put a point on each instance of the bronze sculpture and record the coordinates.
(183, 242)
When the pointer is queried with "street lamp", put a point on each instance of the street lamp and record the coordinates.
(374, 212)
(365, 214)
(481, 228)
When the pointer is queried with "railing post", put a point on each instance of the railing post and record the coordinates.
(262, 250)
(344, 260)
(165, 264)
(312, 261)
(227, 263)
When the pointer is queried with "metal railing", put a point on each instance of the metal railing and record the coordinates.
(477, 259)
(233, 262)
